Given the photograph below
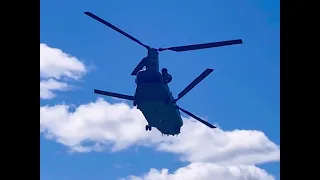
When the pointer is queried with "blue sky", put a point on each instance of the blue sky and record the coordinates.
(242, 93)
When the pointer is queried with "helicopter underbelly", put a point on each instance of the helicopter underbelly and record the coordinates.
(165, 118)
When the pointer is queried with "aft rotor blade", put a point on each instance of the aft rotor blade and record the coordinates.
(197, 118)
(194, 83)
(117, 95)
(141, 64)
(202, 46)
(115, 28)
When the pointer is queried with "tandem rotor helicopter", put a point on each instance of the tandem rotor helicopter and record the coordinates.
(153, 96)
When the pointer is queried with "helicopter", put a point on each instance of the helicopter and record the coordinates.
(153, 96)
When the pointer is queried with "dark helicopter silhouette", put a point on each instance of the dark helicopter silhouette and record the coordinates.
(153, 96)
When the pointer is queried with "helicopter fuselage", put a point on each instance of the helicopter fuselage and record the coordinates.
(154, 99)
(153, 96)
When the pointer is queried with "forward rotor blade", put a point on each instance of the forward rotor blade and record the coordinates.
(117, 95)
(194, 83)
(202, 46)
(115, 28)
(141, 64)
(197, 118)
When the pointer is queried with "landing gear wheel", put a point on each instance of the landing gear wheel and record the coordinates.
(148, 128)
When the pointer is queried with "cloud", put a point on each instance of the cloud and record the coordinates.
(206, 171)
(235, 147)
(56, 65)
(47, 86)
(99, 126)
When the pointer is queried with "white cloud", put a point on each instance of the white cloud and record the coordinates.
(207, 171)
(235, 147)
(100, 126)
(47, 86)
(116, 125)
(55, 64)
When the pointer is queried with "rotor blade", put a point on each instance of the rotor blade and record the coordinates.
(141, 64)
(197, 118)
(194, 83)
(117, 95)
(202, 46)
(115, 28)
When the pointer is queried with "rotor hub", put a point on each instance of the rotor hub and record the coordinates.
(152, 52)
